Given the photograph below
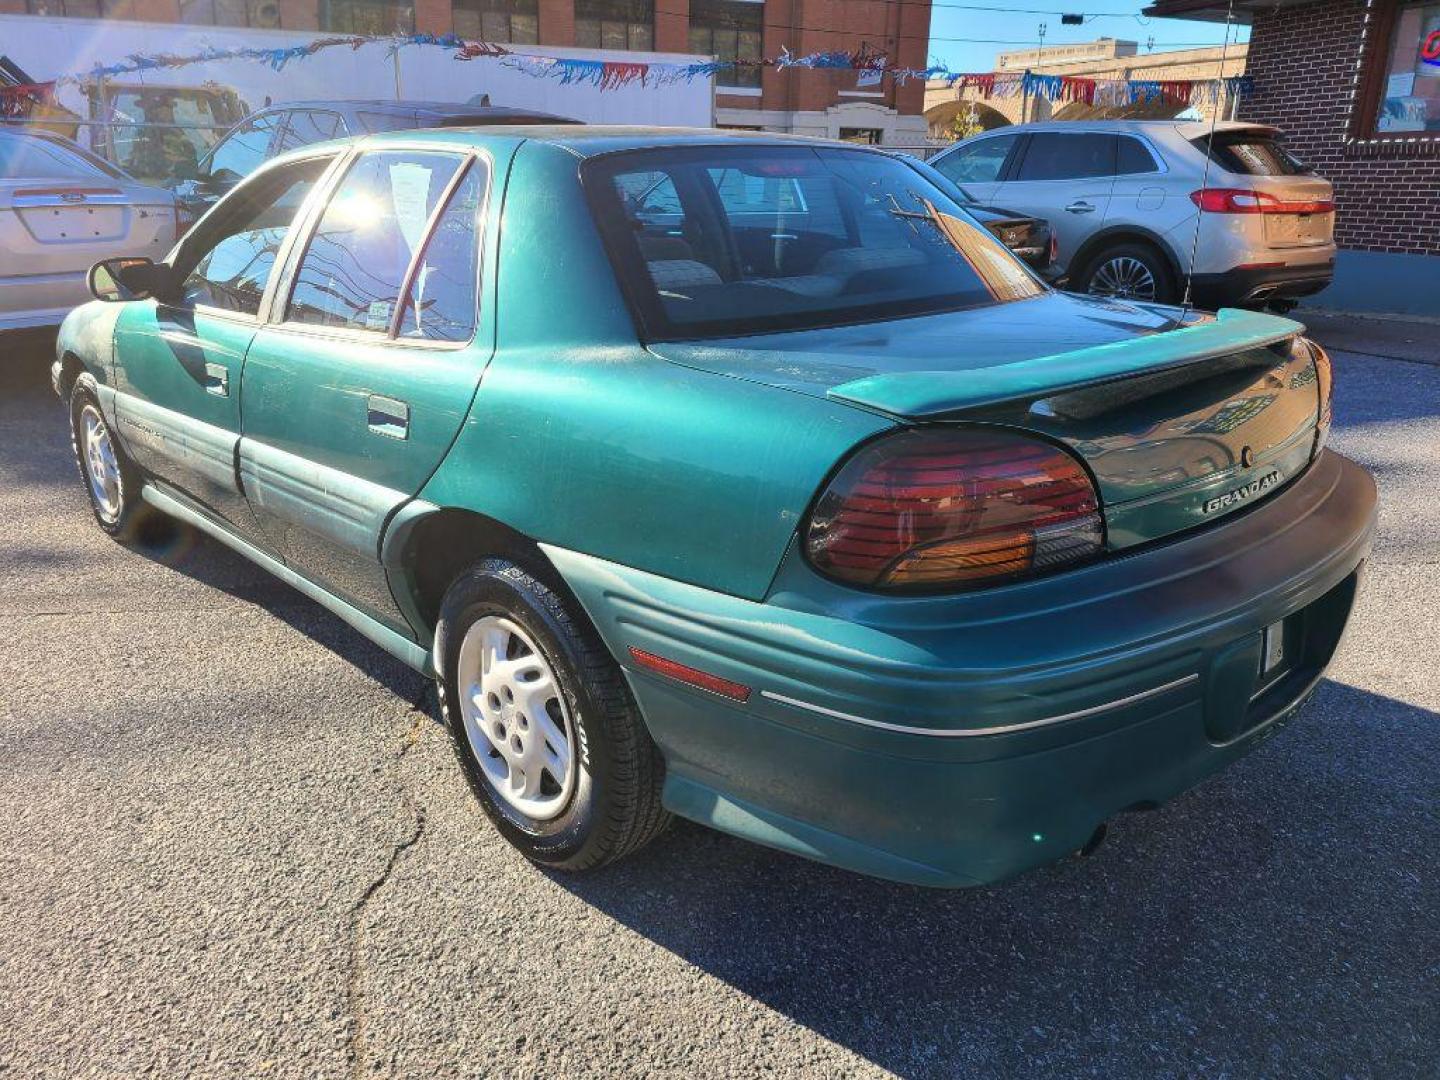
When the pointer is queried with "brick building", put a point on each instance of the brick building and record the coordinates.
(1355, 85)
(812, 102)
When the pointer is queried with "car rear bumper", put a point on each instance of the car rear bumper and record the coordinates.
(1259, 284)
(961, 740)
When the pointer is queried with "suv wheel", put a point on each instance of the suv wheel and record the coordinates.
(1129, 272)
(543, 722)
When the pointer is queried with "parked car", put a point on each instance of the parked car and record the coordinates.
(1125, 198)
(1030, 238)
(62, 209)
(279, 128)
(809, 513)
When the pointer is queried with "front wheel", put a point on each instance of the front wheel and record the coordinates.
(111, 479)
(1129, 272)
(543, 723)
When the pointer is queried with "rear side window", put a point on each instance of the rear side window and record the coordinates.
(242, 152)
(1249, 153)
(357, 258)
(306, 126)
(1055, 156)
(441, 304)
(978, 163)
(1132, 157)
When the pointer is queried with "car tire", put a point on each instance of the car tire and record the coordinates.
(111, 479)
(1129, 272)
(503, 633)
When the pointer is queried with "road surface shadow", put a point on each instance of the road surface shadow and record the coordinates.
(1276, 920)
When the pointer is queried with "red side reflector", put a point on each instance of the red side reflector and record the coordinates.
(692, 676)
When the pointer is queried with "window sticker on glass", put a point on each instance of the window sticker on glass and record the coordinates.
(410, 191)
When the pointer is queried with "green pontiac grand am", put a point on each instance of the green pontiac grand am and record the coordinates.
(737, 477)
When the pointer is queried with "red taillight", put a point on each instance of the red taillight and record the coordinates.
(183, 220)
(937, 508)
(1244, 201)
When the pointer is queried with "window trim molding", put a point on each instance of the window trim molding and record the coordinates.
(1367, 83)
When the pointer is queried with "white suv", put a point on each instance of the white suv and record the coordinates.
(1124, 199)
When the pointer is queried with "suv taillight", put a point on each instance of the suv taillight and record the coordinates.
(942, 509)
(1244, 201)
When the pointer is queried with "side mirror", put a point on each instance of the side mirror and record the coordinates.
(114, 280)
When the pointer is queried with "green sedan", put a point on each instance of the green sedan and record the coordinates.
(737, 477)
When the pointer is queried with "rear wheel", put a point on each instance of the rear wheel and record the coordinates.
(1129, 272)
(543, 722)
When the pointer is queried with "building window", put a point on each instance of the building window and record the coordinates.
(230, 12)
(74, 9)
(867, 136)
(1410, 91)
(366, 17)
(514, 21)
(615, 24)
(728, 30)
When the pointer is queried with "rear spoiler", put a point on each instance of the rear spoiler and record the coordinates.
(930, 394)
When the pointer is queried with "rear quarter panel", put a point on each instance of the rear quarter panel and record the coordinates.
(581, 438)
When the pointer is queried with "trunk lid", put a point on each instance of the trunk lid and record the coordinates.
(1179, 425)
(66, 224)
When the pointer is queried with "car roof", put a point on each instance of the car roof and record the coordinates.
(491, 113)
(1187, 128)
(592, 140)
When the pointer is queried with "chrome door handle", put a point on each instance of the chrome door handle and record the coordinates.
(388, 417)
(1080, 208)
(217, 380)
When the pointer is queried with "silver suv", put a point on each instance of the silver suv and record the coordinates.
(1124, 199)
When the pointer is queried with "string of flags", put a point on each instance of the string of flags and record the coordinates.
(611, 74)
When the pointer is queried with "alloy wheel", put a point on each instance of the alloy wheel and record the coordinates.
(102, 468)
(1123, 277)
(515, 718)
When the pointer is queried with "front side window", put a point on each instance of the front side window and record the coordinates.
(370, 17)
(729, 30)
(355, 263)
(243, 150)
(978, 163)
(515, 21)
(1410, 93)
(615, 24)
(1053, 156)
(715, 242)
(228, 264)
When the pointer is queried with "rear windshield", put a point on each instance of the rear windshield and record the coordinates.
(1249, 153)
(32, 157)
(718, 241)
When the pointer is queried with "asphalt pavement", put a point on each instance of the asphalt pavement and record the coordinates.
(234, 843)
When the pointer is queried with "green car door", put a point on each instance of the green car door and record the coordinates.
(350, 397)
(178, 359)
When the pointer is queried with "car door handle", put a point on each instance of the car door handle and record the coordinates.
(217, 380)
(388, 416)
(1080, 208)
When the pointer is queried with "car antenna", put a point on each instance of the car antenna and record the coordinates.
(1209, 157)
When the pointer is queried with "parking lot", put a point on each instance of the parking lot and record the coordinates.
(234, 842)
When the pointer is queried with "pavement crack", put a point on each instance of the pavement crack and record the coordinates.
(355, 1003)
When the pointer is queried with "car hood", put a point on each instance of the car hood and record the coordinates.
(992, 340)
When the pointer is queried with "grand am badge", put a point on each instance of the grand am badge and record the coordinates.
(1242, 493)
